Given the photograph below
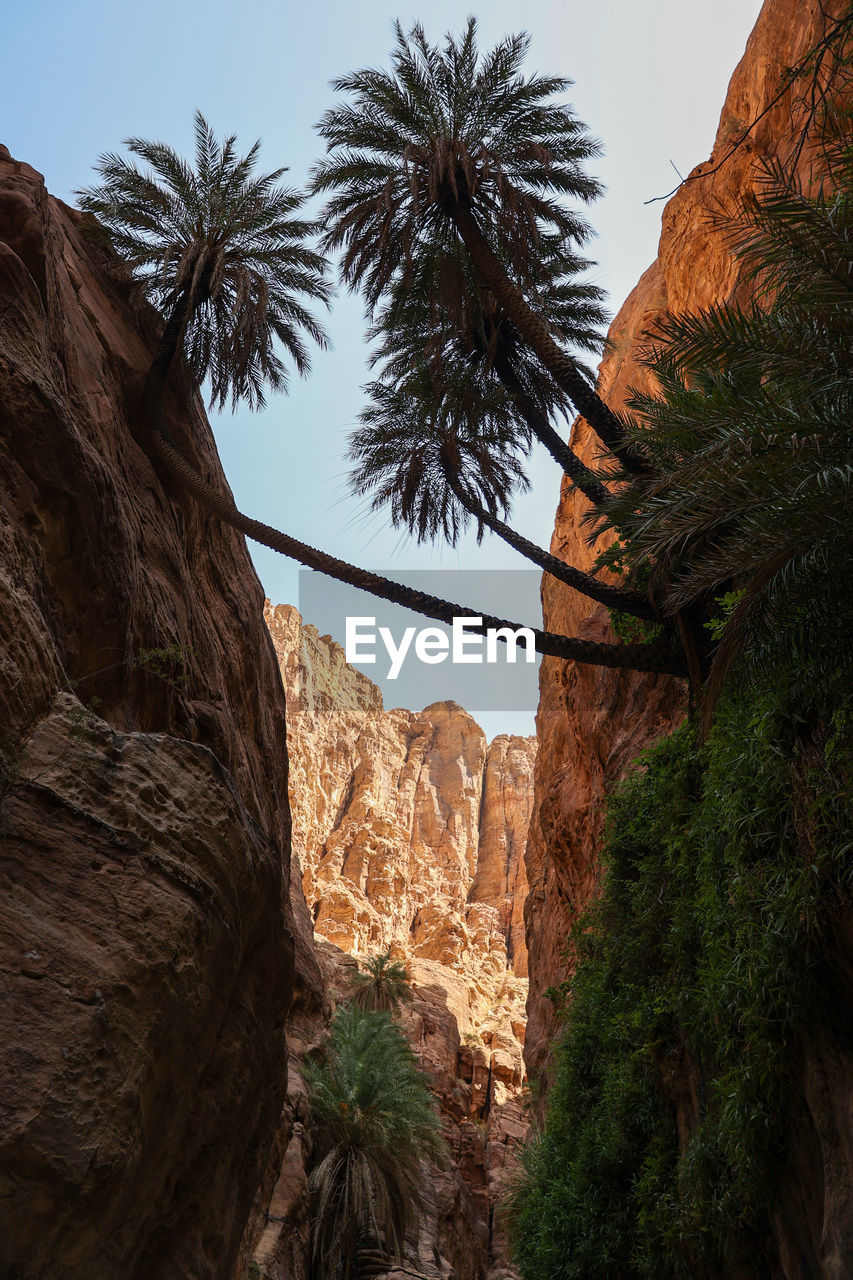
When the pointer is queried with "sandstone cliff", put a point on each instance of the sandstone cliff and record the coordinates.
(592, 723)
(143, 809)
(409, 832)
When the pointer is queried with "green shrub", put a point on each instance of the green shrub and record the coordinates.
(697, 969)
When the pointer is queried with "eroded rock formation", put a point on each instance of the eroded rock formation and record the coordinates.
(146, 961)
(410, 832)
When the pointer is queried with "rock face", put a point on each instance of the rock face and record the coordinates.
(592, 723)
(410, 833)
(145, 950)
(409, 830)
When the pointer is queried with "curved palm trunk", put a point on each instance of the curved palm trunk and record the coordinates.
(633, 602)
(662, 655)
(562, 453)
(536, 334)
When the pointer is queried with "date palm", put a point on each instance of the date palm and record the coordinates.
(464, 337)
(751, 436)
(438, 460)
(375, 1129)
(219, 252)
(382, 984)
(452, 147)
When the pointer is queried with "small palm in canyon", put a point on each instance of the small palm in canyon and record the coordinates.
(383, 984)
(374, 1126)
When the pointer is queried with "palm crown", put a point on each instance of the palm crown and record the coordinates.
(416, 439)
(224, 248)
(750, 433)
(444, 314)
(447, 128)
(374, 1122)
(382, 984)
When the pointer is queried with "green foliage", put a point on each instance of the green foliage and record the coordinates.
(227, 243)
(412, 433)
(167, 663)
(698, 968)
(632, 630)
(449, 126)
(726, 604)
(374, 1123)
(620, 559)
(382, 984)
(445, 125)
(749, 431)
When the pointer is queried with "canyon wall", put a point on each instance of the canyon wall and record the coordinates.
(409, 833)
(144, 944)
(592, 722)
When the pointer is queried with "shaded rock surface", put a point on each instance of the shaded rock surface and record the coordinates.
(409, 832)
(592, 723)
(144, 945)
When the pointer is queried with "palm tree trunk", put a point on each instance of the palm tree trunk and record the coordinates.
(662, 655)
(536, 334)
(563, 454)
(633, 602)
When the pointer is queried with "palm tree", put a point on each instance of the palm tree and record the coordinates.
(451, 147)
(382, 984)
(438, 458)
(374, 1125)
(220, 254)
(463, 336)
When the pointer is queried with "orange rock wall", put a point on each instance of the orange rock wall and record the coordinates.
(592, 723)
(144, 946)
(409, 832)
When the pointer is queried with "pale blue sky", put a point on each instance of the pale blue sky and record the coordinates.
(81, 75)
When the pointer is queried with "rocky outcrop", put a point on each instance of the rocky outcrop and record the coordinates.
(143, 809)
(409, 833)
(592, 723)
(409, 829)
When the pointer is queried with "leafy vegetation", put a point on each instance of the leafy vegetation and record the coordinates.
(221, 253)
(482, 164)
(374, 1124)
(745, 514)
(706, 964)
(383, 983)
(697, 970)
(453, 184)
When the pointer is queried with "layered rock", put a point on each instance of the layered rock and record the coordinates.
(143, 808)
(409, 832)
(592, 723)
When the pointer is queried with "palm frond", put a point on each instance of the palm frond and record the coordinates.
(230, 243)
